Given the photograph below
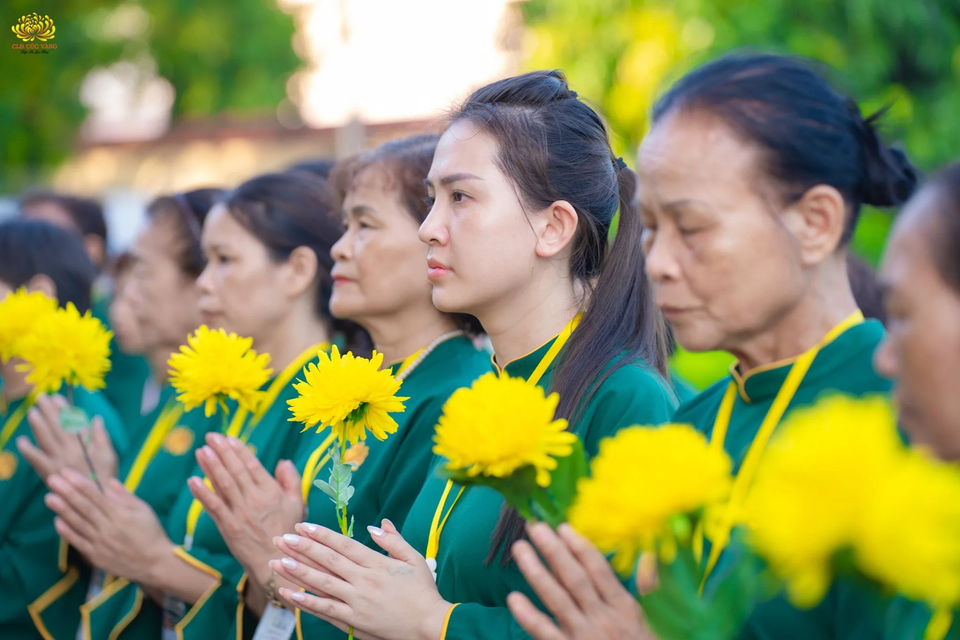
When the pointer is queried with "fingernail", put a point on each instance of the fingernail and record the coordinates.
(309, 528)
(291, 539)
(297, 595)
(375, 531)
(56, 483)
(289, 564)
(236, 443)
(216, 438)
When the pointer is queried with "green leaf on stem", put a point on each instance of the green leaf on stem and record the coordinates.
(74, 420)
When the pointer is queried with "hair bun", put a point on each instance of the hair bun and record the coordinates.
(533, 89)
(889, 179)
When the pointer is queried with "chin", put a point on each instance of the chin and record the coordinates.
(449, 302)
(694, 339)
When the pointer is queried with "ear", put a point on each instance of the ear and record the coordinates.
(817, 221)
(44, 284)
(301, 271)
(96, 248)
(555, 228)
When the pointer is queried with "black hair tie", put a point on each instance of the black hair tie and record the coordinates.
(619, 164)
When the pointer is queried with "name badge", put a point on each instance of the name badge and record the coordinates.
(277, 623)
(173, 612)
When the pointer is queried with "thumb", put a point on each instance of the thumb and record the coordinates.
(289, 479)
(100, 437)
(388, 539)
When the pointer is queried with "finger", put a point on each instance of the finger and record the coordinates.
(342, 545)
(553, 595)
(254, 468)
(319, 582)
(389, 527)
(212, 503)
(36, 458)
(567, 569)
(222, 480)
(99, 438)
(289, 479)
(45, 432)
(324, 608)
(230, 458)
(69, 514)
(394, 544)
(316, 555)
(84, 495)
(76, 540)
(595, 564)
(51, 410)
(535, 622)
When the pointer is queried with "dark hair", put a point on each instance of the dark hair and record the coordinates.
(87, 215)
(809, 133)
(407, 162)
(866, 288)
(32, 247)
(946, 243)
(186, 212)
(554, 147)
(320, 168)
(290, 210)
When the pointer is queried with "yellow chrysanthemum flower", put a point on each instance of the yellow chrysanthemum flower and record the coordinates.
(20, 311)
(641, 479)
(499, 425)
(807, 499)
(213, 366)
(351, 395)
(909, 532)
(65, 347)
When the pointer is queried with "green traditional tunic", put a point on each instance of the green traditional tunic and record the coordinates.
(155, 469)
(633, 394)
(391, 476)
(122, 611)
(126, 377)
(29, 546)
(843, 365)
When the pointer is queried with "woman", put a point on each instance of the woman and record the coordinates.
(752, 179)
(524, 186)
(265, 277)
(39, 257)
(921, 278)
(379, 281)
(161, 295)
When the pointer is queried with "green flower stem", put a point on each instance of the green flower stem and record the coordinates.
(342, 516)
(83, 445)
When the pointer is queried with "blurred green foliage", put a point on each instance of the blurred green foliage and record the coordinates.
(621, 54)
(219, 55)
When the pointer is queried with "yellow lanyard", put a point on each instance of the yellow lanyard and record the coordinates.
(315, 463)
(10, 426)
(236, 424)
(151, 447)
(939, 624)
(439, 520)
(409, 360)
(742, 482)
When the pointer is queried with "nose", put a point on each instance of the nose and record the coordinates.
(433, 231)
(205, 280)
(885, 359)
(341, 249)
(660, 263)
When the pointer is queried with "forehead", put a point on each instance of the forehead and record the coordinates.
(689, 153)
(908, 253)
(463, 147)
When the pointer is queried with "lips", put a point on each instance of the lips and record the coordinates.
(436, 269)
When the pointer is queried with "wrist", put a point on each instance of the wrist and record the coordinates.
(159, 566)
(433, 623)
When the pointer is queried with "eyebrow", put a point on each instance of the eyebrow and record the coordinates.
(676, 205)
(453, 177)
(359, 210)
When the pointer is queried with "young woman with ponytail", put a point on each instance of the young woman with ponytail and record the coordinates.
(524, 187)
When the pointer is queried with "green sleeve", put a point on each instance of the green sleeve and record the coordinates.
(217, 608)
(476, 622)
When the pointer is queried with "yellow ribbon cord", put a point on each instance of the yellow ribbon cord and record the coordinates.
(317, 460)
(939, 624)
(751, 461)
(409, 360)
(436, 527)
(10, 426)
(167, 419)
(236, 423)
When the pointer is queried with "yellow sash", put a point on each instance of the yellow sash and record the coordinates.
(151, 447)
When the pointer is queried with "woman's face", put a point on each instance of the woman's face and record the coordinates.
(922, 348)
(482, 246)
(164, 299)
(723, 264)
(241, 289)
(123, 316)
(380, 265)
